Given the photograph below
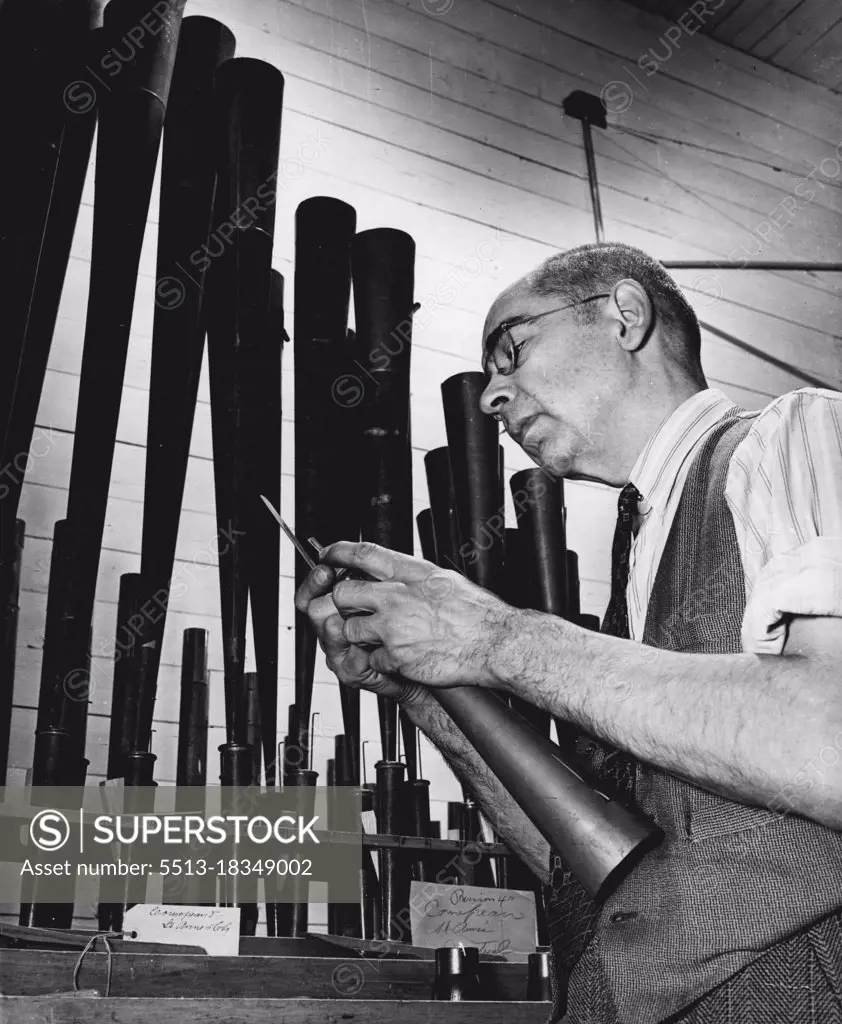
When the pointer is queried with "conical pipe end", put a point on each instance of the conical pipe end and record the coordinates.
(598, 839)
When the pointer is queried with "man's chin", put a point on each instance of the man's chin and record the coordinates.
(556, 463)
(534, 453)
(554, 466)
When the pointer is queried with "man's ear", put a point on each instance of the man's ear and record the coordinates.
(633, 312)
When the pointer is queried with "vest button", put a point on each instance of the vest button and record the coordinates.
(623, 915)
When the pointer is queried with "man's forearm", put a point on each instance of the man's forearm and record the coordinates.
(508, 820)
(743, 725)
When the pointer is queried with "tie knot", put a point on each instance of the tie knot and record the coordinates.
(627, 505)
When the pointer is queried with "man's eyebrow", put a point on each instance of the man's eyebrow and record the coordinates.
(510, 321)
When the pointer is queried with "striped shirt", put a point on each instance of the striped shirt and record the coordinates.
(784, 490)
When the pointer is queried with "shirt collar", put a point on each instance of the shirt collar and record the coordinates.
(654, 474)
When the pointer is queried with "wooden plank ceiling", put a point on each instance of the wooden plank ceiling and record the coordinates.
(801, 36)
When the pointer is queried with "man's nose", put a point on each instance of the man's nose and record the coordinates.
(496, 395)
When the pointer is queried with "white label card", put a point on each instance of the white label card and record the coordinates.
(493, 920)
(216, 929)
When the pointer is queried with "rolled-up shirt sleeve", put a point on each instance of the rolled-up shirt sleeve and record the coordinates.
(784, 489)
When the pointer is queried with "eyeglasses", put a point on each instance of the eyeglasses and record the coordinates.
(501, 348)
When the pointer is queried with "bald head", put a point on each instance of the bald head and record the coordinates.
(588, 269)
(586, 355)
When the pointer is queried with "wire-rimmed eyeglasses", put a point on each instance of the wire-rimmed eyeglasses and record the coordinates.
(502, 351)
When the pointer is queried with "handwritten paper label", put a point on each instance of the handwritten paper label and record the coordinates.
(493, 920)
(216, 929)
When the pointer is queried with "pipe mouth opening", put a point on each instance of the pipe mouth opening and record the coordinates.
(628, 864)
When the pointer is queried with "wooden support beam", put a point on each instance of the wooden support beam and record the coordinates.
(156, 976)
(86, 1010)
(786, 265)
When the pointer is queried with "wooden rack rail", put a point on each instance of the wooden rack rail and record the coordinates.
(264, 985)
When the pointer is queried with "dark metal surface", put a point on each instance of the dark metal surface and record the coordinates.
(475, 468)
(237, 890)
(48, 119)
(35, 250)
(291, 918)
(131, 117)
(54, 761)
(249, 96)
(344, 918)
(422, 866)
(539, 502)
(519, 589)
(597, 837)
(477, 872)
(64, 694)
(574, 608)
(369, 882)
(538, 985)
(188, 178)
(427, 535)
(253, 723)
(261, 401)
(114, 893)
(125, 695)
(456, 978)
(542, 557)
(813, 266)
(383, 267)
(392, 819)
(443, 509)
(11, 555)
(192, 752)
(326, 419)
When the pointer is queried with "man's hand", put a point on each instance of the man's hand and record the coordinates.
(417, 622)
(348, 661)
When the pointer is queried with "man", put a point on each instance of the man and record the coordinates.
(717, 701)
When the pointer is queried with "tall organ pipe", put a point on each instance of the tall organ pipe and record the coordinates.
(292, 916)
(48, 117)
(327, 393)
(125, 697)
(443, 509)
(192, 753)
(188, 181)
(383, 268)
(49, 113)
(262, 455)
(131, 118)
(249, 101)
(475, 470)
(539, 500)
(61, 725)
(11, 556)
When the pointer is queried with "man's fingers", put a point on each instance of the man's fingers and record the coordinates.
(361, 596)
(385, 686)
(320, 610)
(319, 582)
(333, 635)
(356, 668)
(376, 561)
(363, 629)
(381, 661)
(349, 662)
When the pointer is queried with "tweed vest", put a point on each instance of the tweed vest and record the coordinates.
(729, 881)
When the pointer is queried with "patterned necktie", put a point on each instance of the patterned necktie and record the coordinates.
(571, 914)
(616, 621)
